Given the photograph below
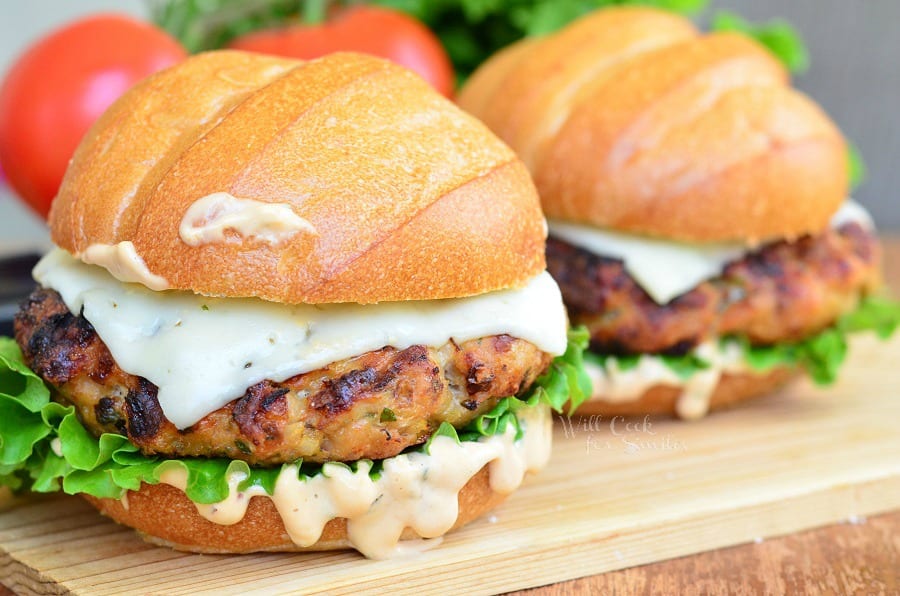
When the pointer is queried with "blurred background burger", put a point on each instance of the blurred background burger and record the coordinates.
(698, 205)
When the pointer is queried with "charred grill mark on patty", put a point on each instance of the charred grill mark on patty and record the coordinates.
(339, 394)
(58, 344)
(402, 360)
(331, 414)
(479, 377)
(783, 292)
(483, 374)
(259, 414)
(64, 335)
(110, 416)
(106, 365)
(145, 417)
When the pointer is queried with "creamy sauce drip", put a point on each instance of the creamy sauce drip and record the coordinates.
(209, 218)
(666, 269)
(612, 384)
(122, 262)
(415, 490)
(204, 352)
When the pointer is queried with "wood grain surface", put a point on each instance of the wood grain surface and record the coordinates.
(805, 458)
(847, 558)
(850, 558)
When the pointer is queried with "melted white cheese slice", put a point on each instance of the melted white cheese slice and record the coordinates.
(204, 352)
(663, 268)
(667, 269)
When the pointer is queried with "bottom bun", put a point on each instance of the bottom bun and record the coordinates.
(424, 493)
(663, 399)
(164, 515)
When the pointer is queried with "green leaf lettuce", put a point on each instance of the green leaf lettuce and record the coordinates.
(44, 448)
(820, 355)
(778, 36)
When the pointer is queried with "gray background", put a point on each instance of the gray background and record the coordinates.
(855, 75)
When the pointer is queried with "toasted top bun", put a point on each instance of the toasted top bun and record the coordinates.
(400, 194)
(629, 118)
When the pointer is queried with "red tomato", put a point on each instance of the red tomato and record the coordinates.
(59, 86)
(366, 29)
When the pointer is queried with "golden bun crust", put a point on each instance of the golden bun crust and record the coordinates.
(407, 196)
(662, 399)
(630, 119)
(164, 515)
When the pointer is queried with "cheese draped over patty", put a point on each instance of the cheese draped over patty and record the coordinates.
(204, 352)
(666, 269)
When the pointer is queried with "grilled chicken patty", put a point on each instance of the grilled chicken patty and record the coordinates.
(783, 292)
(371, 406)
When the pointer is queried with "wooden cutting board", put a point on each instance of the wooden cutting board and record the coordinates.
(612, 497)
